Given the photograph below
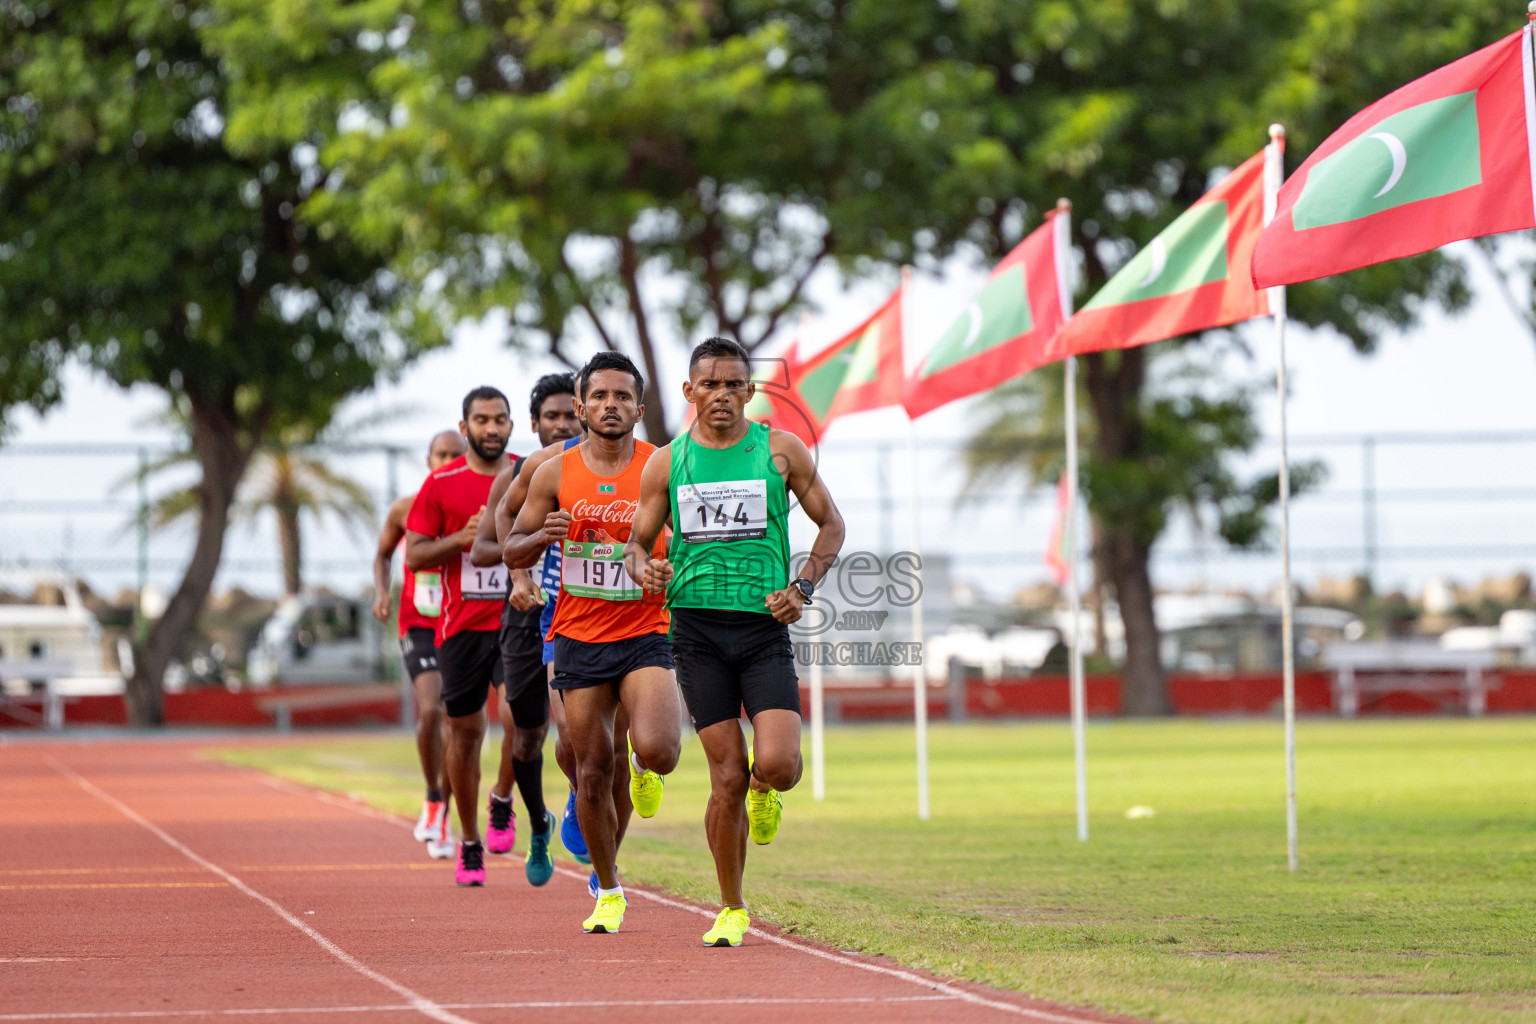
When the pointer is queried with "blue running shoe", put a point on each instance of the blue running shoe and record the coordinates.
(540, 865)
(570, 832)
(592, 885)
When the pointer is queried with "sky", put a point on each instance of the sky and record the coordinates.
(1443, 510)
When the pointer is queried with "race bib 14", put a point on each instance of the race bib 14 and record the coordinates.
(481, 582)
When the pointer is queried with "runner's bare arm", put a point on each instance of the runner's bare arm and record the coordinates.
(798, 469)
(655, 508)
(540, 522)
(389, 539)
(423, 552)
(485, 551)
(512, 501)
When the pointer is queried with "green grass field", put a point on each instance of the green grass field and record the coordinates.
(1416, 898)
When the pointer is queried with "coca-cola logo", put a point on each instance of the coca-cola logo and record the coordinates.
(616, 511)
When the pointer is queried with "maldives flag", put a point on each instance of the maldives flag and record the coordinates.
(1004, 331)
(861, 370)
(1446, 157)
(1056, 546)
(1191, 277)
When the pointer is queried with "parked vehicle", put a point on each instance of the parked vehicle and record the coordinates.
(318, 638)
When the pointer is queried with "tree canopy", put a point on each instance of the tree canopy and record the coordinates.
(135, 240)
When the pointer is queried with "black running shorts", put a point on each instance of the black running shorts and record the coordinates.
(418, 649)
(727, 660)
(579, 664)
(471, 664)
(522, 667)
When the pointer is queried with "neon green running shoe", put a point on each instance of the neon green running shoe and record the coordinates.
(730, 927)
(644, 788)
(764, 810)
(607, 915)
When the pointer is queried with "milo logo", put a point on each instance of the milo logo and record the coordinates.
(572, 547)
(603, 550)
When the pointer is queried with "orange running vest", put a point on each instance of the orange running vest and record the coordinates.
(599, 602)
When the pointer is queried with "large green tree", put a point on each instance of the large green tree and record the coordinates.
(135, 240)
(639, 172)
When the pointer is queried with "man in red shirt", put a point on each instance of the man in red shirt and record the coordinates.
(439, 532)
(421, 599)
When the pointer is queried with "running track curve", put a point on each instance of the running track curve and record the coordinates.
(140, 882)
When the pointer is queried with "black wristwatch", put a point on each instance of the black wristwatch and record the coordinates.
(805, 586)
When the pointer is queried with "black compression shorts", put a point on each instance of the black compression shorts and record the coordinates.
(579, 664)
(727, 660)
(418, 649)
(522, 667)
(471, 664)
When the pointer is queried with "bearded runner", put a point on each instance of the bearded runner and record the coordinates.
(440, 529)
(421, 601)
(725, 486)
(610, 638)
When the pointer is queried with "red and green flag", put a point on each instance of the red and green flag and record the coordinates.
(1191, 277)
(1004, 331)
(1446, 157)
(861, 370)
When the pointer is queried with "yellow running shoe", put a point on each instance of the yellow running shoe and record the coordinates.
(644, 788)
(730, 926)
(607, 915)
(764, 810)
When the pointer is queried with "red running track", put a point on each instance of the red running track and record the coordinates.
(140, 882)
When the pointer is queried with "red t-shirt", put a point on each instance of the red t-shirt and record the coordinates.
(472, 596)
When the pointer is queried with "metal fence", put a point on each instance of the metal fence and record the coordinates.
(1397, 508)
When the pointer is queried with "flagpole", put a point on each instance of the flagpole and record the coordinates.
(919, 677)
(818, 690)
(1274, 170)
(1074, 590)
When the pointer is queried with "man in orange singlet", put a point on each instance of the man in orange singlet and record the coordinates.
(421, 599)
(610, 637)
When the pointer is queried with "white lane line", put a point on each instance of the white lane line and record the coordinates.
(420, 1003)
(938, 986)
(595, 1004)
(950, 991)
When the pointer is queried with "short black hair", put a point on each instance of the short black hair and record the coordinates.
(717, 348)
(484, 393)
(611, 361)
(550, 384)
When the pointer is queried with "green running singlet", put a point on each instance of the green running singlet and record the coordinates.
(730, 511)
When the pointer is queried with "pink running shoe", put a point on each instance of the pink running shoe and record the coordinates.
(501, 833)
(470, 867)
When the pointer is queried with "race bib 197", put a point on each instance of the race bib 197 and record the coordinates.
(429, 594)
(596, 570)
(481, 582)
(726, 510)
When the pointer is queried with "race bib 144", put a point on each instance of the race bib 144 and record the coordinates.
(725, 510)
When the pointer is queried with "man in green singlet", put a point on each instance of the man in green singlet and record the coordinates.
(724, 487)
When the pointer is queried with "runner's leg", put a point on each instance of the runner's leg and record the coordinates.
(502, 790)
(623, 807)
(430, 731)
(589, 717)
(466, 735)
(655, 717)
(776, 760)
(725, 816)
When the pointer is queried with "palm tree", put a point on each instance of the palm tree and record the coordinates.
(288, 476)
(1190, 427)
